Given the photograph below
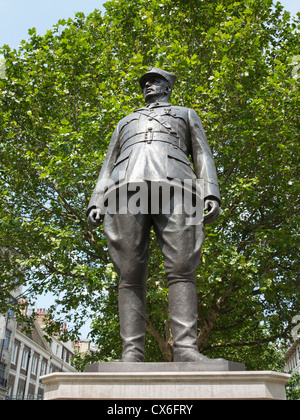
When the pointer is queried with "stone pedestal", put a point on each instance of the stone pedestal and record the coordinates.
(164, 381)
(219, 365)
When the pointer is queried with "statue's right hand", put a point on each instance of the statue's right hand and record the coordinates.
(95, 218)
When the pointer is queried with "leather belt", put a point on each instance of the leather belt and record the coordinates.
(150, 136)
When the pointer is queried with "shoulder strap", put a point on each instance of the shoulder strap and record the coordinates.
(157, 118)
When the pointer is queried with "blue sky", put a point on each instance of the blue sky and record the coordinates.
(17, 16)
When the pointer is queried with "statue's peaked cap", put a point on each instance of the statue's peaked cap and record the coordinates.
(171, 78)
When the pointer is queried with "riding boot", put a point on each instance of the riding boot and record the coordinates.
(184, 315)
(132, 311)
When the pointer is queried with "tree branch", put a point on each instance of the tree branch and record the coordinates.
(162, 343)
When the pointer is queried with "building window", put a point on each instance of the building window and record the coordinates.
(64, 354)
(20, 391)
(43, 368)
(6, 339)
(2, 371)
(14, 354)
(34, 365)
(9, 391)
(24, 359)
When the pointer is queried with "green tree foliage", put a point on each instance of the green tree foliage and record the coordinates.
(60, 99)
(293, 387)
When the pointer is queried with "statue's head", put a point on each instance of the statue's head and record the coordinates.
(157, 85)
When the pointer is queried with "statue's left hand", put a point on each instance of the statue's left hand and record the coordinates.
(95, 218)
(213, 208)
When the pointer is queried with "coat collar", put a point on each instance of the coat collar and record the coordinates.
(155, 105)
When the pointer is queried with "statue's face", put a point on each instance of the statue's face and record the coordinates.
(155, 88)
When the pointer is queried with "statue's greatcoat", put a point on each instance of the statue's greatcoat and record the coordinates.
(153, 143)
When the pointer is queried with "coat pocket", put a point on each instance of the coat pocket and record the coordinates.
(120, 167)
(178, 165)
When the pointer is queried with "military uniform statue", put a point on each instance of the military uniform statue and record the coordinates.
(152, 144)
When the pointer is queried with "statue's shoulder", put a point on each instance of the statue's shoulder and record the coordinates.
(180, 108)
(126, 120)
(180, 111)
(190, 113)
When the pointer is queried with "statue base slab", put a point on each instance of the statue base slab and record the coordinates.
(174, 382)
(205, 366)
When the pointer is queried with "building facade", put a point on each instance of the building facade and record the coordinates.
(26, 356)
(84, 346)
(292, 358)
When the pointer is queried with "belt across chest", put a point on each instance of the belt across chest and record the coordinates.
(150, 136)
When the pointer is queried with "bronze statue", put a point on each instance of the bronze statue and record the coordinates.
(151, 145)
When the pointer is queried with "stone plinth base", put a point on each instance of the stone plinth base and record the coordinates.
(165, 385)
(205, 366)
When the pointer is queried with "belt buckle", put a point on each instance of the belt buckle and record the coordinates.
(149, 135)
